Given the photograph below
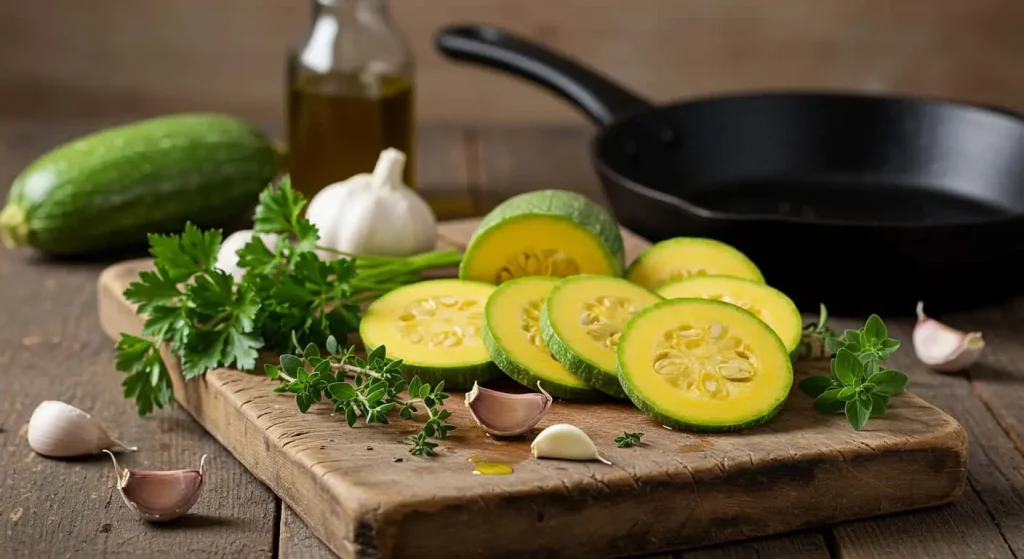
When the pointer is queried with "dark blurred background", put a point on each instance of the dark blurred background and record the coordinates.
(119, 59)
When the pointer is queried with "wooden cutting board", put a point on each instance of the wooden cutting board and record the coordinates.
(365, 496)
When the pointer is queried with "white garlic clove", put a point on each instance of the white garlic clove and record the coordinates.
(942, 347)
(227, 255)
(506, 415)
(160, 496)
(60, 430)
(566, 442)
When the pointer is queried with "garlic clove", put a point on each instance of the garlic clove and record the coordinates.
(506, 415)
(942, 347)
(160, 496)
(60, 430)
(566, 442)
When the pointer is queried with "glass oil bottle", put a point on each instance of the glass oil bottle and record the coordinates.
(350, 95)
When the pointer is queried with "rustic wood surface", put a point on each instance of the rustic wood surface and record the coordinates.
(51, 347)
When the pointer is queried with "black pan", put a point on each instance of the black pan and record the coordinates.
(865, 203)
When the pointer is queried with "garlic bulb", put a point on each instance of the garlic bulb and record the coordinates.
(566, 442)
(374, 214)
(227, 255)
(60, 430)
(944, 348)
(159, 496)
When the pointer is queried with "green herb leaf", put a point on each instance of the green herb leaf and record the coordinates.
(626, 440)
(291, 364)
(341, 392)
(878, 404)
(828, 402)
(888, 382)
(814, 386)
(846, 367)
(273, 371)
(858, 411)
(874, 331)
(847, 394)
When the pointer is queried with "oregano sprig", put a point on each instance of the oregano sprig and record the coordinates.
(370, 388)
(860, 385)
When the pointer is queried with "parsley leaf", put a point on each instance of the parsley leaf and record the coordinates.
(287, 297)
(148, 381)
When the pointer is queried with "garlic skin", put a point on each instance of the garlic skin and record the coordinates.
(506, 415)
(374, 214)
(942, 347)
(566, 442)
(227, 255)
(160, 496)
(60, 430)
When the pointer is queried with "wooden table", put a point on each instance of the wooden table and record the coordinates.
(51, 347)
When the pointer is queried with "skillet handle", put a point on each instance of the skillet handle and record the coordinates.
(597, 96)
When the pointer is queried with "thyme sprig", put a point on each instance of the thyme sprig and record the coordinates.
(370, 388)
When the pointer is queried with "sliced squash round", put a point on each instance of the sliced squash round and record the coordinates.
(544, 233)
(767, 303)
(513, 339)
(436, 328)
(703, 365)
(581, 322)
(683, 257)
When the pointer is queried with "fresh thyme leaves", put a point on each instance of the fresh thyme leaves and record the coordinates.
(287, 293)
(626, 440)
(369, 388)
(859, 386)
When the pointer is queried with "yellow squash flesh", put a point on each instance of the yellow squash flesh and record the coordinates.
(684, 257)
(703, 365)
(767, 303)
(536, 245)
(514, 340)
(582, 321)
(436, 328)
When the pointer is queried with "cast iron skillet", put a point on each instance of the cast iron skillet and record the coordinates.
(867, 204)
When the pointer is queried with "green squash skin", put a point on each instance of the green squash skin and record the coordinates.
(657, 247)
(666, 419)
(575, 363)
(456, 377)
(519, 373)
(459, 379)
(107, 190)
(558, 203)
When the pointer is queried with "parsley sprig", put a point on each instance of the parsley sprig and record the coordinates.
(860, 385)
(374, 391)
(287, 295)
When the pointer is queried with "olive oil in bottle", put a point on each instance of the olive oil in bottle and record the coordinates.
(350, 95)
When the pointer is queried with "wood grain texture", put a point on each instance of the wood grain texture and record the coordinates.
(680, 490)
(64, 58)
(50, 348)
